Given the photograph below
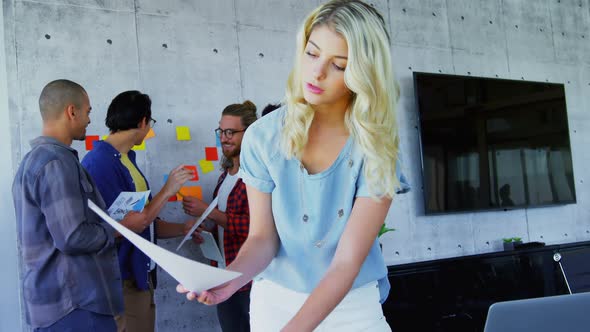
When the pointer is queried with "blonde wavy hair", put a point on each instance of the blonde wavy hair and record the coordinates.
(371, 116)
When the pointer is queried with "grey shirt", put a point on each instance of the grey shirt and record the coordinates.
(69, 257)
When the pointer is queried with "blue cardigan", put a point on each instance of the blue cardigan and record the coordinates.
(103, 163)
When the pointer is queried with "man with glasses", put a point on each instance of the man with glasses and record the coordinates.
(111, 163)
(232, 215)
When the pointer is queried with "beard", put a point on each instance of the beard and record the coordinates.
(231, 153)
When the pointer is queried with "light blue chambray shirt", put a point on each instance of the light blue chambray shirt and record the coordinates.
(308, 209)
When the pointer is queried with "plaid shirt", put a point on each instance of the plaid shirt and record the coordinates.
(238, 222)
(69, 257)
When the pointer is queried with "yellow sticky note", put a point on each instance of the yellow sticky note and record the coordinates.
(206, 166)
(104, 137)
(139, 147)
(183, 133)
(150, 134)
(195, 191)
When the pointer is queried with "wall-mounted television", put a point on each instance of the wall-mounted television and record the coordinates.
(489, 144)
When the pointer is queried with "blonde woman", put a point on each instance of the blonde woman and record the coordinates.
(318, 199)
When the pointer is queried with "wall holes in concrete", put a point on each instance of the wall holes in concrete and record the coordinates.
(433, 14)
(516, 26)
(429, 249)
(462, 18)
(565, 234)
(397, 253)
(459, 246)
(491, 22)
(215, 51)
(488, 243)
(468, 73)
(541, 29)
(165, 45)
(410, 68)
(169, 120)
(261, 55)
(440, 71)
(110, 42)
(47, 36)
(541, 236)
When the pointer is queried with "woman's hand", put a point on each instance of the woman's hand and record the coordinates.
(212, 296)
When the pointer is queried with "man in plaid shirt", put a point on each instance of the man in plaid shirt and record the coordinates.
(232, 215)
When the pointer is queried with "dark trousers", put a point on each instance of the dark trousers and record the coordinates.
(82, 320)
(234, 313)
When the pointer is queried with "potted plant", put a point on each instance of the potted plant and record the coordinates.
(511, 242)
(384, 229)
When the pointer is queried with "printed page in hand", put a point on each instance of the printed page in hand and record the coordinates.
(128, 201)
(193, 275)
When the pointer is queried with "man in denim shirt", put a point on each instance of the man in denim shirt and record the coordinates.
(71, 281)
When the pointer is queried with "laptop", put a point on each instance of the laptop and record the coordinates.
(567, 313)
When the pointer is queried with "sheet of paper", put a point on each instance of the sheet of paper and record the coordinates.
(211, 250)
(193, 275)
(128, 201)
(194, 228)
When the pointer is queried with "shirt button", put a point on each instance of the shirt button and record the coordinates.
(340, 213)
(305, 218)
(350, 163)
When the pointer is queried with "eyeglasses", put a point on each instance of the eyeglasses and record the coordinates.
(229, 133)
(152, 122)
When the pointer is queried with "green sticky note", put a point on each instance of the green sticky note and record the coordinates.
(183, 133)
(206, 166)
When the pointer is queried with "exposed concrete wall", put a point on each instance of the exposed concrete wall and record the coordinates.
(195, 57)
(10, 313)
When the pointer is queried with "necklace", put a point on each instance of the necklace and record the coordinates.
(304, 208)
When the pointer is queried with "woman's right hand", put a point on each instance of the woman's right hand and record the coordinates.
(212, 296)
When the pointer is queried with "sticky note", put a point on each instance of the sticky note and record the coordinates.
(195, 191)
(150, 134)
(195, 173)
(211, 153)
(90, 141)
(139, 147)
(104, 137)
(206, 166)
(217, 141)
(174, 198)
(183, 133)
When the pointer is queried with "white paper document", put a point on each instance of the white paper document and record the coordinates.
(128, 201)
(200, 221)
(193, 275)
(211, 250)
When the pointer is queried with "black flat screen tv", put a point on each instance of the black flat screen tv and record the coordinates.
(489, 144)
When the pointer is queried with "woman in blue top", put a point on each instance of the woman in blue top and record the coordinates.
(321, 173)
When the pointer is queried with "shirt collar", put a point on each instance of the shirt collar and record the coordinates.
(50, 140)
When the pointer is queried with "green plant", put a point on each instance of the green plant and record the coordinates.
(511, 239)
(384, 229)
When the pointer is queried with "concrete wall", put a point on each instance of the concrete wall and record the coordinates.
(10, 313)
(195, 57)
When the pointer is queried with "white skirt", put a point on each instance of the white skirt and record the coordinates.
(272, 306)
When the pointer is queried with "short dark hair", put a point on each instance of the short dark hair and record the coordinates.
(58, 94)
(269, 108)
(247, 113)
(127, 109)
